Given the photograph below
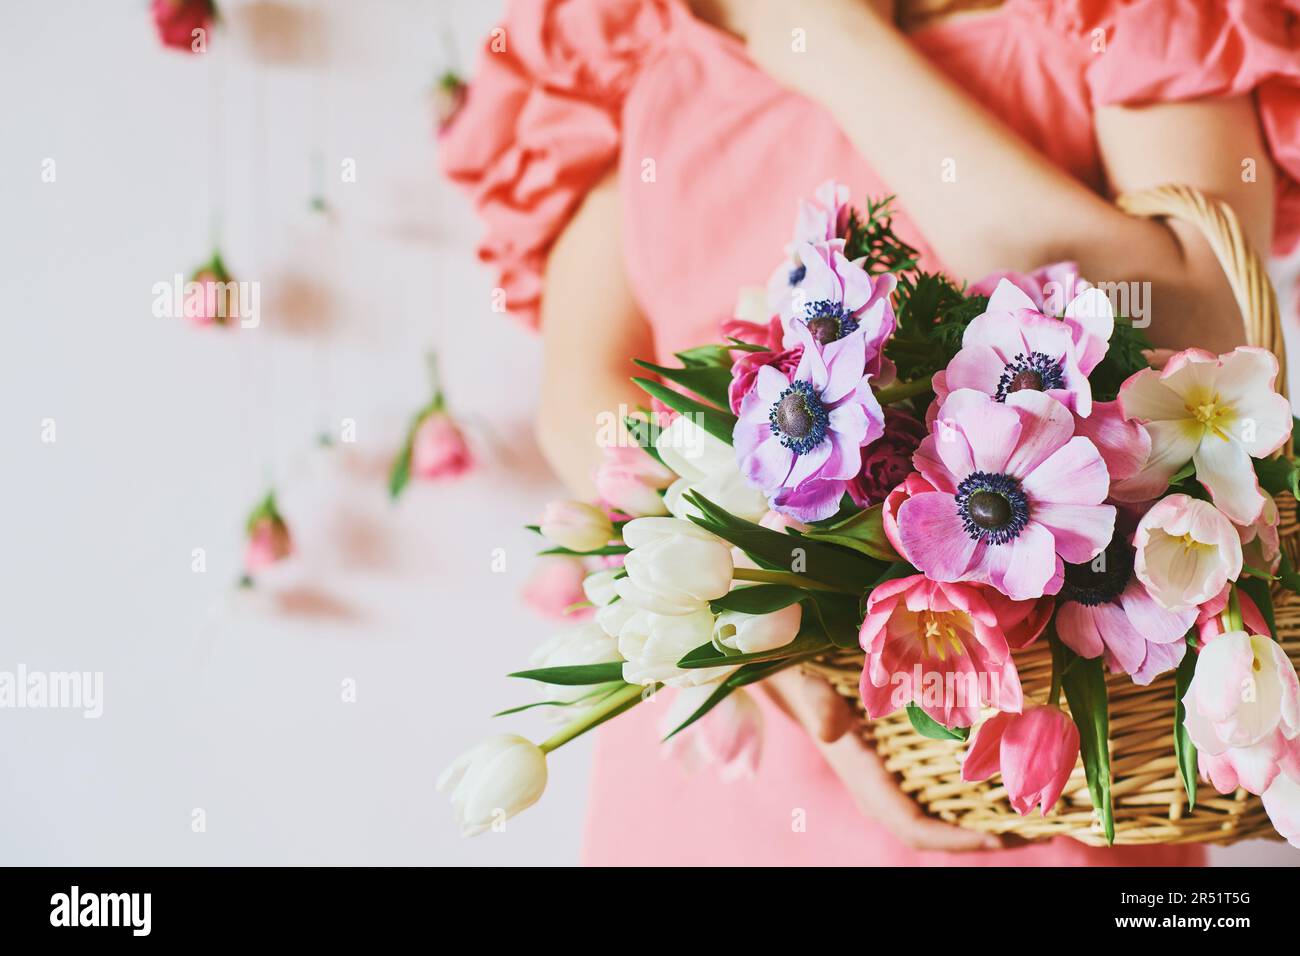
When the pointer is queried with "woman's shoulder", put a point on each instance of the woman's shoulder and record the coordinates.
(541, 123)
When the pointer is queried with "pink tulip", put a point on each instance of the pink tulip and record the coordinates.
(1209, 618)
(1035, 752)
(1186, 551)
(555, 586)
(177, 20)
(268, 543)
(628, 479)
(729, 738)
(940, 646)
(913, 484)
(438, 449)
(214, 300)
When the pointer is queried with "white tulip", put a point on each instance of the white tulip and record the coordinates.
(614, 615)
(576, 525)
(652, 644)
(752, 633)
(495, 780)
(584, 644)
(726, 488)
(599, 587)
(675, 567)
(691, 451)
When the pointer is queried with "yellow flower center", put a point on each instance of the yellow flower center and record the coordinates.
(1213, 414)
(1190, 544)
(938, 630)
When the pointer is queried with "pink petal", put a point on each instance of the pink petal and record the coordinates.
(1076, 625)
(1080, 531)
(1021, 569)
(976, 366)
(1124, 445)
(1045, 425)
(1074, 474)
(933, 536)
(983, 759)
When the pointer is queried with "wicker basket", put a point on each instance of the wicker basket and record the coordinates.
(1150, 805)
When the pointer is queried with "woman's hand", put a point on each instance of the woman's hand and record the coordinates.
(830, 721)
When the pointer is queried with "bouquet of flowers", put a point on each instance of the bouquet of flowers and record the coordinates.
(876, 461)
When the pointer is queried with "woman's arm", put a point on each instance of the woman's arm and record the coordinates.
(1009, 207)
(591, 331)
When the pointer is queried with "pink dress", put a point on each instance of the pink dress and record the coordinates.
(712, 157)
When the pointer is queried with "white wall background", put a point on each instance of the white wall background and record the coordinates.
(215, 699)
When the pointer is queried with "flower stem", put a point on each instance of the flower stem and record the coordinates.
(611, 706)
(1232, 613)
(903, 390)
(779, 577)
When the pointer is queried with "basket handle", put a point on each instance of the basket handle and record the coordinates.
(1244, 267)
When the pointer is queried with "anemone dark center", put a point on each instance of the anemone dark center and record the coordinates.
(793, 416)
(993, 508)
(799, 418)
(827, 321)
(1102, 579)
(1034, 371)
(796, 274)
(989, 510)
(1027, 379)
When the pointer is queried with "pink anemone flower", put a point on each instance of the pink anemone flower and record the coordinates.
(799, 436)
(1017, 494)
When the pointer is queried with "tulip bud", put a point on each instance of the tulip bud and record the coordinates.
(675, 567)
(1035, 751)
(652, 644)
(599, 587)
(439, 449)
(495, 780)
(576, 525)
(752, 633)
(627, 480)
(585, 644)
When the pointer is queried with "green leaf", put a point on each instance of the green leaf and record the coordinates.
(864, 532)
(644, 433)
(1184, 749)
(1275, 474)
(716, 422)
(706, 356)
(899, 569)
(706, 655)
(607, 550)
(595, 696)
(927, 726)
(839, 568)
(745, 675)
(1085, 689)
(837, 615)
(759, 599)
(709, 382)
(1286, 574)
(576, 674)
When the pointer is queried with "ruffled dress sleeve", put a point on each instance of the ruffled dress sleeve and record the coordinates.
(540, 125)
(1160, 51)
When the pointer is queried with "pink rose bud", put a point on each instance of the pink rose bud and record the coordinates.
(177, 20)
(576, 525)
(438, 449)
(212, 297)
(268, 543)
(1035, 751)
(448, 98)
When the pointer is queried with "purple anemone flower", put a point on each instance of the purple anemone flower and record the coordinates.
(800, 434)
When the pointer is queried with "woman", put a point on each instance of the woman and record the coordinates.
(638, 160)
